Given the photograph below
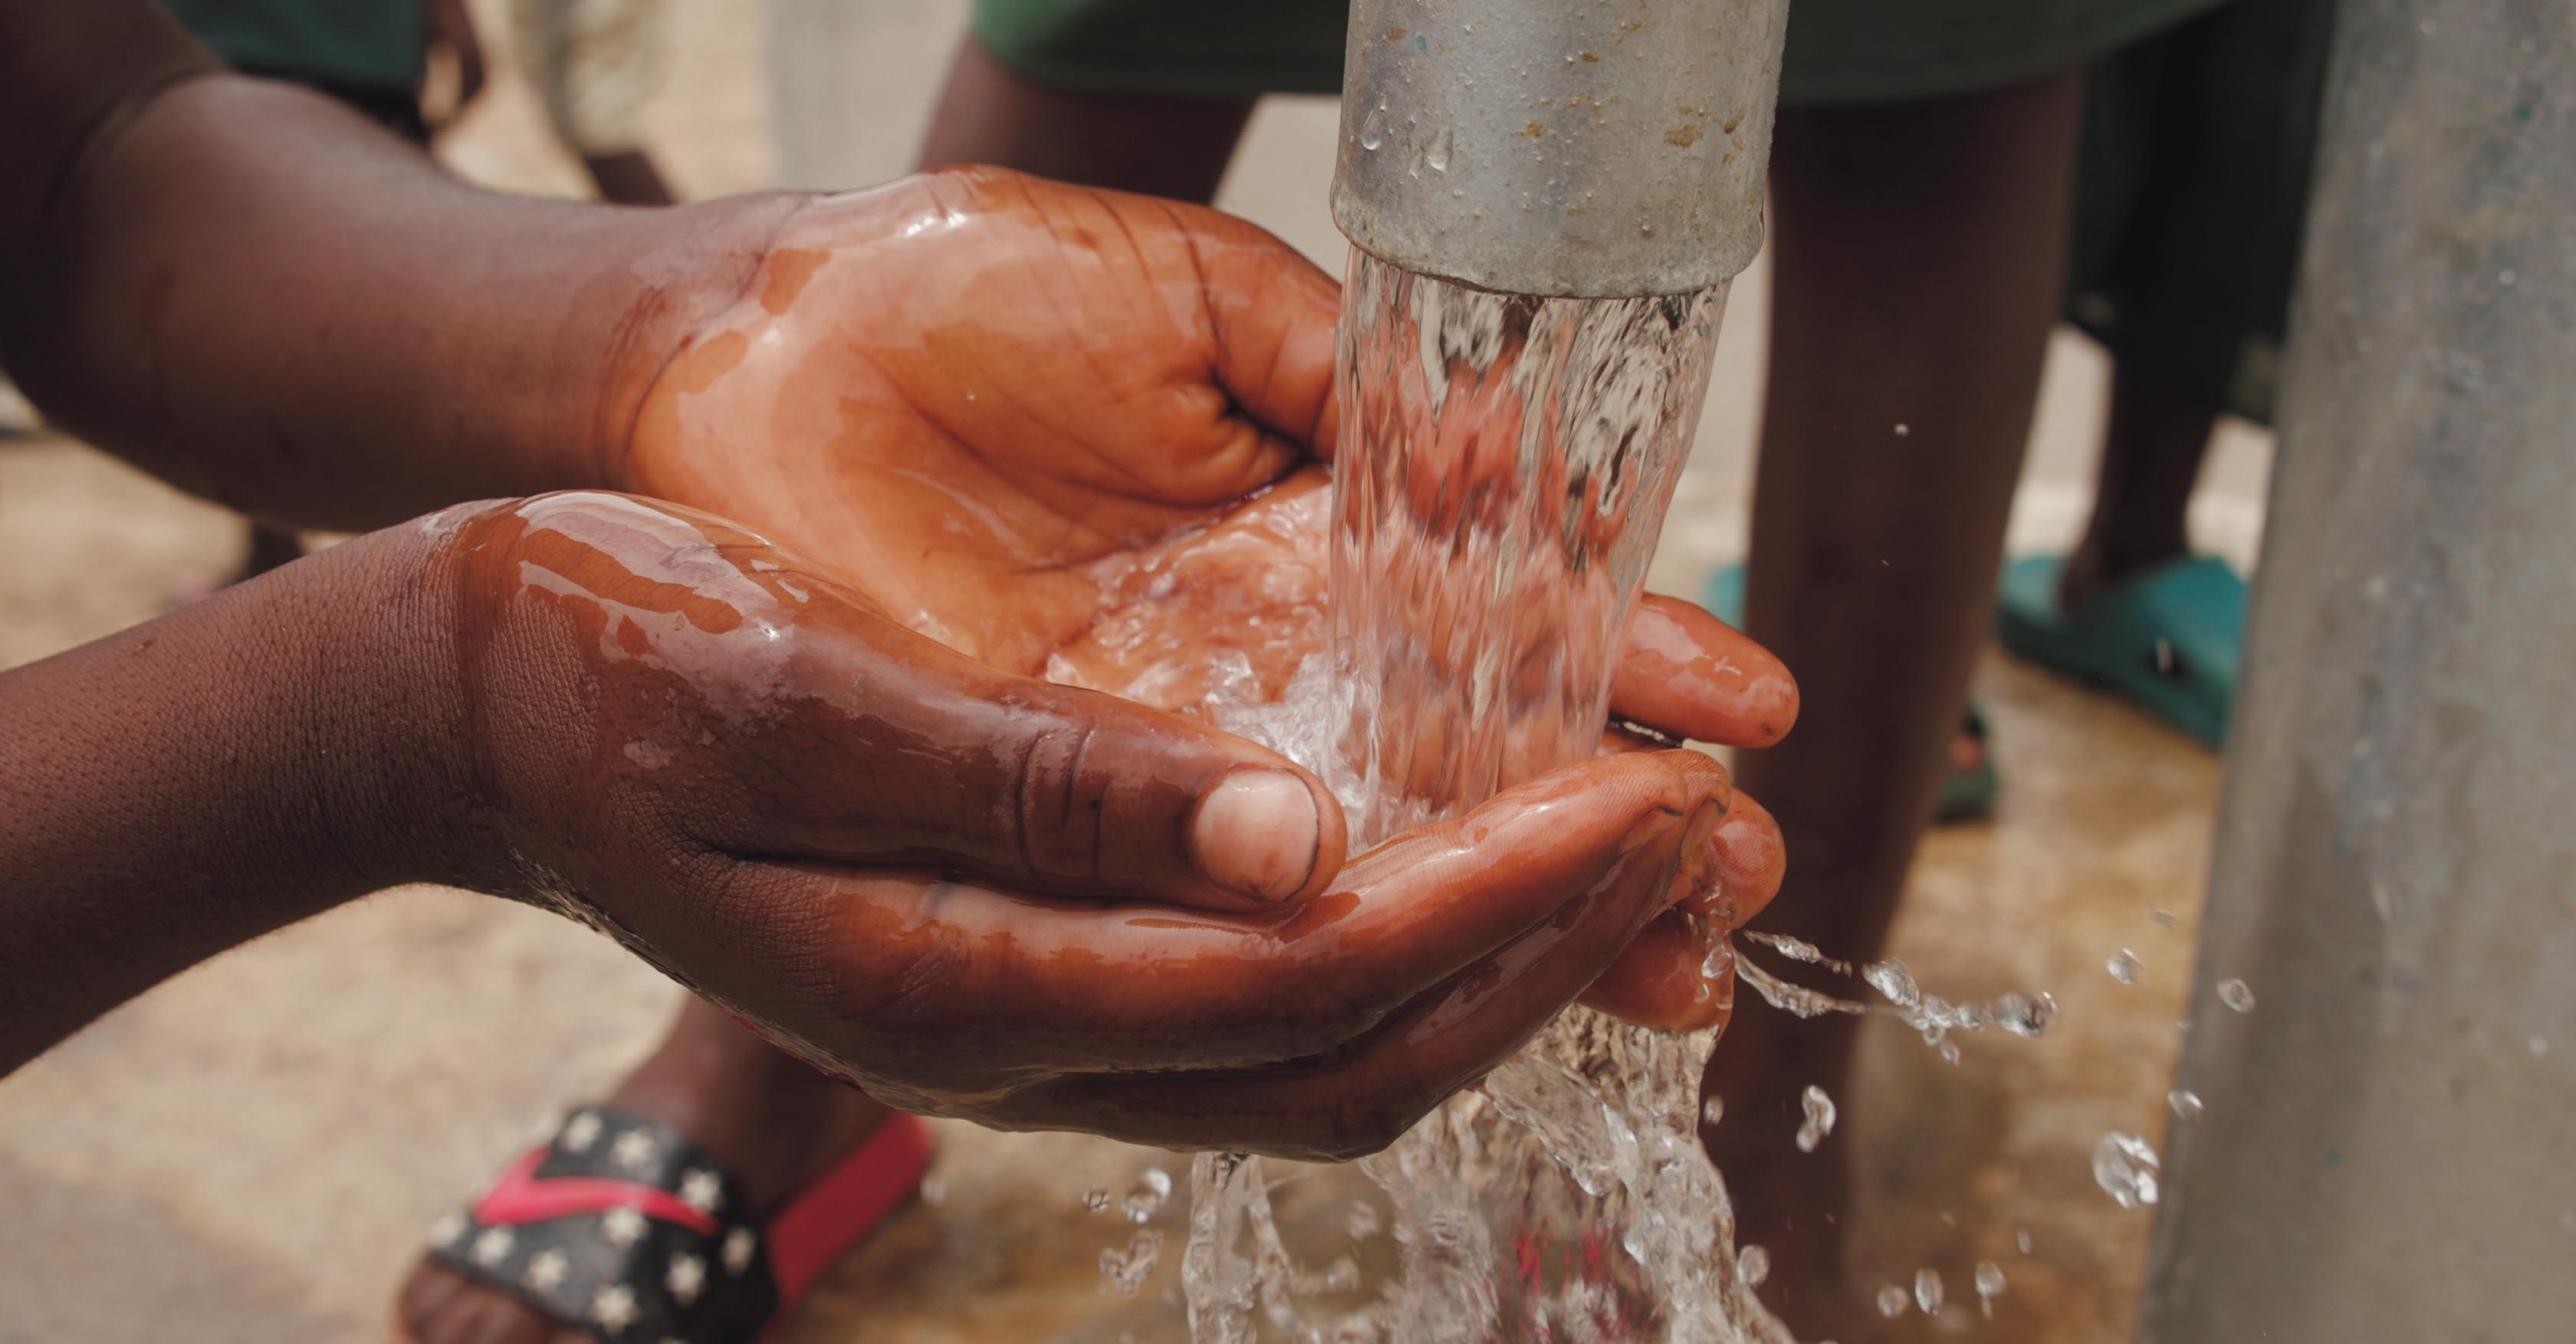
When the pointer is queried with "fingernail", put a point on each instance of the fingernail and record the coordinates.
(1256, 834)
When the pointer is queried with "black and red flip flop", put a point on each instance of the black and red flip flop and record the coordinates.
(619, 1227)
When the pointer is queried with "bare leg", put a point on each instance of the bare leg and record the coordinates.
(269, 548)
(628, 178)
(1919, 249)
(1176, 147)
(2151, 454)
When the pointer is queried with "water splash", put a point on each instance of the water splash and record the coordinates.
(1146, 1196)
(2125, 1166)
(1927, 1290)
(1990, 1285)
(2124, 967)
(1819, 1121)
(2186, 1104)
(1127, 1269)
(2235, 994)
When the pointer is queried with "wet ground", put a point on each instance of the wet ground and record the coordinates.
(251, 1153)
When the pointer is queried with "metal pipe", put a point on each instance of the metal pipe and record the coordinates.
(2387, 1152)
(1592, 148)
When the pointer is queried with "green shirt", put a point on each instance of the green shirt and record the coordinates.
(355, 44)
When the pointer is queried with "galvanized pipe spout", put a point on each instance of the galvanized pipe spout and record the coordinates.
(1586, 148)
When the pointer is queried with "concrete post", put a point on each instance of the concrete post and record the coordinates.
(2389, 1152)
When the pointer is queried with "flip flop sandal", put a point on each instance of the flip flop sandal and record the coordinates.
(2168, 639)
(1968, 791)
(622, 1229)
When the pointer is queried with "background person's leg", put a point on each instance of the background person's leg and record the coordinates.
(1918, 251)
(2153, 443)
(628, 178)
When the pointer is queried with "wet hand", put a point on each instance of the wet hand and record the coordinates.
(982, 895)
(1081, 436)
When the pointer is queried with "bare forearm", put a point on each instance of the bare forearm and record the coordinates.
(220, 772)
(260, 297)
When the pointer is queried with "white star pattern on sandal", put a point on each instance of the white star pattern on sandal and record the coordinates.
(687, 1275)
(580, 1132)
(447, 1229)
(546, 1269)
(701, 1189)
(621, 1227)
(491, 1247)
(633, 1149)
(614, 1308)
(738, 1246)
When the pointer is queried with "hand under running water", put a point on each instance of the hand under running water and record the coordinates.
(981, 895)
(1079, 435)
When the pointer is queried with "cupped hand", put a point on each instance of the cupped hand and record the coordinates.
(982, 895)
(1080, 435)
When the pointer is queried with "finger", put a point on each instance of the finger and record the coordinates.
(1678, 974)
(1273, 313)
(1750, 859)
(1684, 673)
(1063, 986)
(1061, 791)
(1358, 1101)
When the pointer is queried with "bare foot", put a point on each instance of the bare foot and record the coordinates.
(770, 1120)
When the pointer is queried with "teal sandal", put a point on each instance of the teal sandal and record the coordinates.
(2168, 640)
(1968, 788)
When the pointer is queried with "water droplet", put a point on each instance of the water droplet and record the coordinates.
(1799, 949)
(1753, 1265)
(1146, 1196)
(1990, 1285)
(1927, 1290)
(2235, 995)
(1128, 1269)
(1820, 1118)
(1891, 1301)
(2124, 967)
(1096, 1200)
(1903, 429)
(1438, 154)
(2185, 1103)
(2164, 919)
(1948, 1051)
(1891, 979)
(2025, 1016)
(1373, 129)
(2125, 1167)
(2021, 1239)
(1712, 1111)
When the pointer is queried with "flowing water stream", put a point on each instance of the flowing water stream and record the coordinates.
(1504, 468)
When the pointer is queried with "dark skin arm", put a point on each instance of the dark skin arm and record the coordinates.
(234, 284)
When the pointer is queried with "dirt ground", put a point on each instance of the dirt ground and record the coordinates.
(252, 1152)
